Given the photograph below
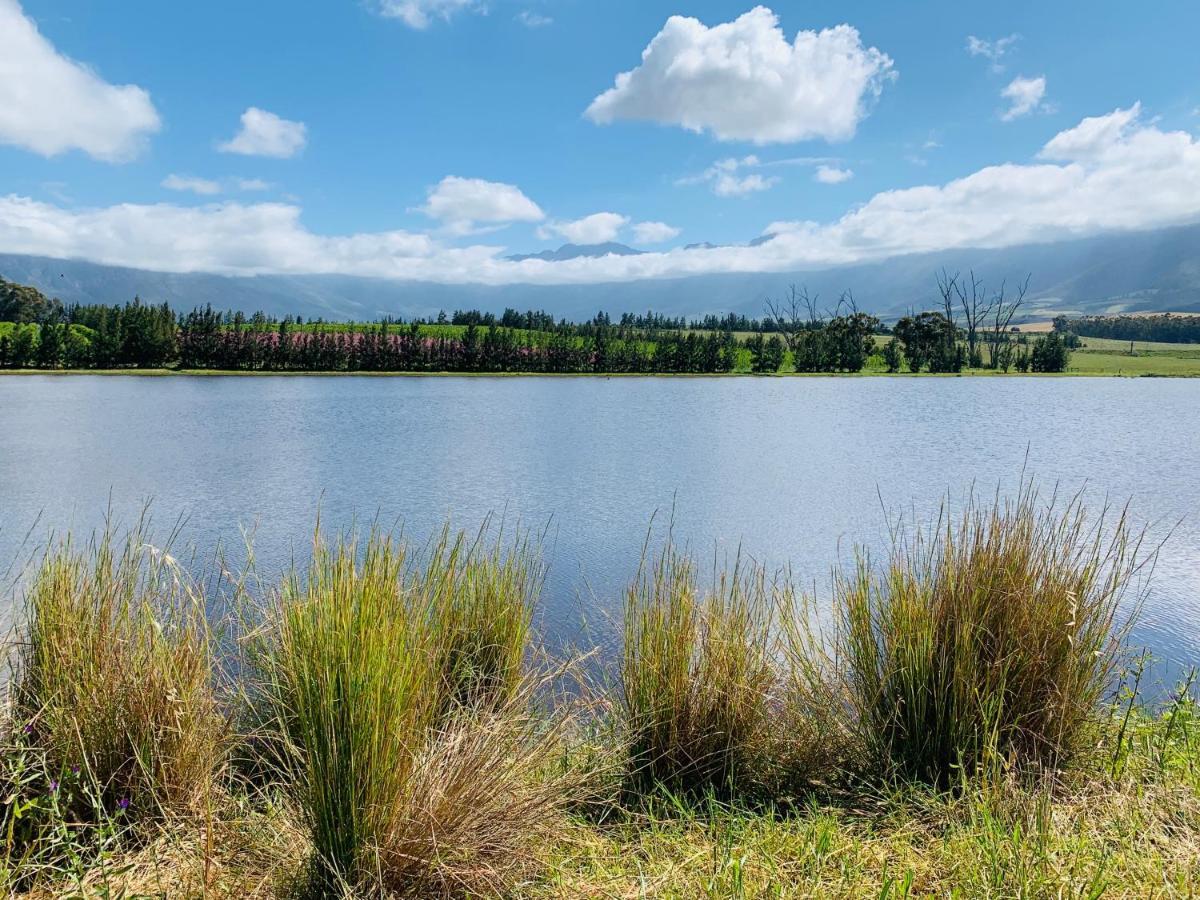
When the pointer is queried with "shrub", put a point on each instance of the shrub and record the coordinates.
(114, 678)
(696, 676)
(991, 641)
(1050, 353)
(892, 355)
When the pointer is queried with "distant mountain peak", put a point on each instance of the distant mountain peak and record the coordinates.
(577, 251)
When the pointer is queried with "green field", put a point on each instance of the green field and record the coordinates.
(1101, 356)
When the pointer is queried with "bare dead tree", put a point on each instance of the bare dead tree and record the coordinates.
(1004, 310)
(948, 286)
(794, 314)
(846, 303)
(976, 309)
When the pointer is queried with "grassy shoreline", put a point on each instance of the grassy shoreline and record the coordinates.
(1188, 370)
(968, 725)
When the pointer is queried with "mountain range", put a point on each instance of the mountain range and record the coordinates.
(1136, 271)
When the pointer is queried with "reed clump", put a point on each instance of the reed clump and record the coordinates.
(989, 641)
(113, 684)
(480, 594)
(402, 715)
(696, 676)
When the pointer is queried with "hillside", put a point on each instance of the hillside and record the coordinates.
(1114, 273)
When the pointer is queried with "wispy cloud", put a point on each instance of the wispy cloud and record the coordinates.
(202, 186)
(994, 51)
(1024, 96)
(531, 19)
(208, 187)
(420, 14)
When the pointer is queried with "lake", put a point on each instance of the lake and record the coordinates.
(792, 470)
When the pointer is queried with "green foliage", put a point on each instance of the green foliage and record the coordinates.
(1050, 354)
(55, 824)
(24, 304)
(930, 340)
(841, 344)
(766, 354)
(1166, 327)
(892, 355)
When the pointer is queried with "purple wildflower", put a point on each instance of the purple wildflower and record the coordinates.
(123, 803)
(74, 770)
(53, 786)
(28, 729)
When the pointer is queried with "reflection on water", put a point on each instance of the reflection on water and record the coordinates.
(792, 470)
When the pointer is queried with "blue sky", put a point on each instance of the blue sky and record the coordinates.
(430, 138)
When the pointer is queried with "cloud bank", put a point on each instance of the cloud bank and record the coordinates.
(1108, 173)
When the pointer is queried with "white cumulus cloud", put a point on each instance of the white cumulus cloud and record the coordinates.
(266, 134)
(654, 232)
(743, 81)
(1024, 95)
(598, 228)
(832, 174)
(464, 204)
(51, 104)
(422, 13)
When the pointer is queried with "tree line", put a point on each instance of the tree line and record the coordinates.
(206, 342)
(971, 329)
(1165, 327)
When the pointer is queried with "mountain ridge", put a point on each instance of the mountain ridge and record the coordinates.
(1135, 271)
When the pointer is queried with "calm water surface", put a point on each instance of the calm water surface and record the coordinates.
(792, 470)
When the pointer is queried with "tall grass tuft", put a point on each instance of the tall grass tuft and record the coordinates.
(696, 676)
(988, 642)
(113, 680)
(402, 714)
(480, 595)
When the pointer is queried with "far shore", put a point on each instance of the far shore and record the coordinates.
(1191, 372)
